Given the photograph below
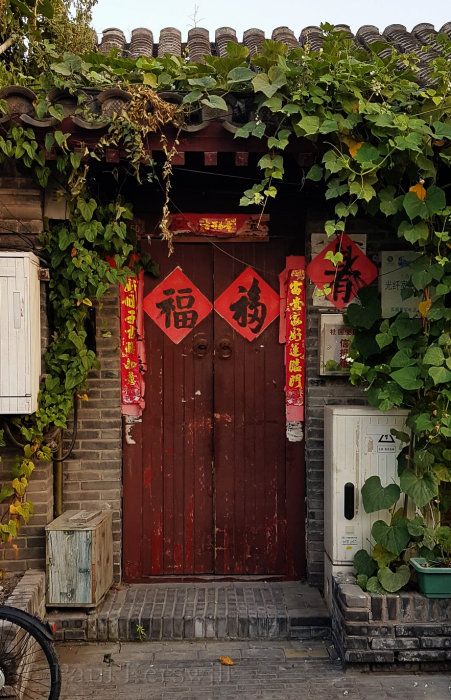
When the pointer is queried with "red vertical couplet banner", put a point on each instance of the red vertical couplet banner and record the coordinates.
(130, 372)
(295, 343)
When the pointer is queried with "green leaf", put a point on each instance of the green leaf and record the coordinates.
(150, 79)
(361, 581)
(440, 375)
(407, 378)
(193, 96)
(405, 327)
(315, 173)
(367, 154)
(382, 555)
(241, 74)
(60, 138)
(442, 130)
(414, 206)
(443, 535)
(435, 199)
(377, 497)
(384, 339)
(413, 232)
(207, 82)
(373, 586)
(393, 537)
(401, 359)
(309, 125)
(442, 472)
(393, 581)
(87, 209)
(416, 527)
(421, 489)
(434, 356)
(364, 564)
(423, 459)
(215, 102)
(363, 189)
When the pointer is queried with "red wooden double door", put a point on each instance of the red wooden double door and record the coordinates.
(211, 485)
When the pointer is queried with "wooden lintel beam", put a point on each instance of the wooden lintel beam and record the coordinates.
(178, 158)
(112, 155)
(211, 158)
(241, 158)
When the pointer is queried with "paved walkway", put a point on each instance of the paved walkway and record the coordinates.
(265, 670)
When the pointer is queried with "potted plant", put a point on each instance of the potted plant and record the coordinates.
(434, 575)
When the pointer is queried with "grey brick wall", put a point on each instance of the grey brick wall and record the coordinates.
(93, 473)
(402, 628)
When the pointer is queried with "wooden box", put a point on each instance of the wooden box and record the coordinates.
(79, 558)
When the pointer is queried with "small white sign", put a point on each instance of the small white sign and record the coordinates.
(386, 443)
(394, 277)
(347, 540)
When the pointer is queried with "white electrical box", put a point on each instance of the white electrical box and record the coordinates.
(357, 444)
(20, 332)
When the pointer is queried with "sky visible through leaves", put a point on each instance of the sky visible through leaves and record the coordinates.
(264, 14)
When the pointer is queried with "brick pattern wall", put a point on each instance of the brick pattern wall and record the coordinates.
(93, 473)
(405, 629)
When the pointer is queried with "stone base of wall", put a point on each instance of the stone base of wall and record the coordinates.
(380, 632)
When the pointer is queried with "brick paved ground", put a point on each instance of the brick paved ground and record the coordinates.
(277, 670)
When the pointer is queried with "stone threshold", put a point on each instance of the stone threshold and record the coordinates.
(215, 610)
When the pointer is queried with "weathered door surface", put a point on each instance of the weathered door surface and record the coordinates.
(211, 485)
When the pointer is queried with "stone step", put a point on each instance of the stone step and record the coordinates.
(175, 611)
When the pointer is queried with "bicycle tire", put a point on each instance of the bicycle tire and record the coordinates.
(29, 667)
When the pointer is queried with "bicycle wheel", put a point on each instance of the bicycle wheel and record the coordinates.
(29, 667)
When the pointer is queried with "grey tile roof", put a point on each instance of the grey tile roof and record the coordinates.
(200, 43)
(143, 43)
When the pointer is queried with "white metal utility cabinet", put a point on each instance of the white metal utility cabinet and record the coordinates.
(20, 333)
(357, 444)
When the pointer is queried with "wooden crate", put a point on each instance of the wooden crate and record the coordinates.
(79, 558)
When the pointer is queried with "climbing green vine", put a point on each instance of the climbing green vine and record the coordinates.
(381, 143)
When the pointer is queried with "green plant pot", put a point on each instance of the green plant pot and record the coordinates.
(433, 582)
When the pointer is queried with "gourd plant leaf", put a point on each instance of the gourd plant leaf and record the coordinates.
(362, 580)
(393, 537)
(364, 563)
(382, 555)
(421, 489)
(416, 527)
(373, 586)
(378, 497)
(393, 581)
(443, 535)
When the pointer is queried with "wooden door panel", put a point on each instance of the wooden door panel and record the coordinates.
(177, 434)
(249, 406)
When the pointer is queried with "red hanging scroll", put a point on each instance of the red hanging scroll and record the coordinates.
(295, 341)
(130, 372)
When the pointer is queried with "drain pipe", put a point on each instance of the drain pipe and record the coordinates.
(58, 478)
